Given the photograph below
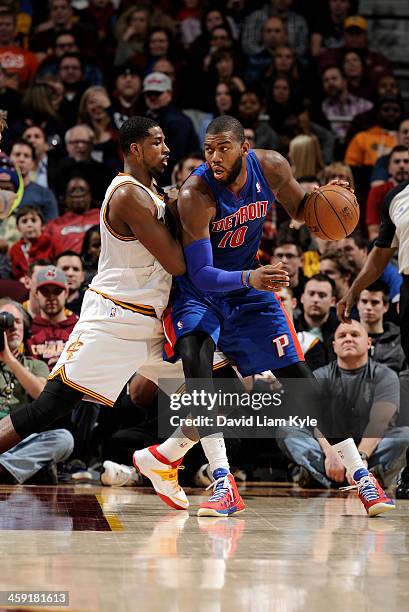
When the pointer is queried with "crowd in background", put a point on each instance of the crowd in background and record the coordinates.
(300, 76)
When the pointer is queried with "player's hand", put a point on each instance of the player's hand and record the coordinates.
(269, 278)
(344, 307)
(334, 468)
(341, 183)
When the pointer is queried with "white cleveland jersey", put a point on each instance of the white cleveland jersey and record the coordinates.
(127, 271)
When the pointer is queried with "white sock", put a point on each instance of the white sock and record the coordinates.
(215, 450)
(349, 455)
(176, 446)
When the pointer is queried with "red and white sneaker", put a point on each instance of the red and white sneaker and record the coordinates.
(226, 499)
(370, 493)
(163, 475)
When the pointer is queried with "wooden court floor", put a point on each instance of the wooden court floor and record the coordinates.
(122, 549)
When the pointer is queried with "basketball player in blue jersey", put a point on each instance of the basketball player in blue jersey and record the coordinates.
(226, 300)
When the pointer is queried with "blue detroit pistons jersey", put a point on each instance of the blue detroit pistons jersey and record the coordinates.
(236, 230)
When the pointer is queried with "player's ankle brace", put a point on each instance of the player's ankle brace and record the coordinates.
(56, 401)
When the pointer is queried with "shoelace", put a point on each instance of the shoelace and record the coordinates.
(172, 476)
(221, 487)
(366, 487)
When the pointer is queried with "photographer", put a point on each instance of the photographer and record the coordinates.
(21, 380)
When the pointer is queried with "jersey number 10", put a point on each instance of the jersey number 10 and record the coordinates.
(235, 239)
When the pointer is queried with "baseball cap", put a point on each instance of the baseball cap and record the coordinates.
(356, 21)
(157, 81)
(50, 275)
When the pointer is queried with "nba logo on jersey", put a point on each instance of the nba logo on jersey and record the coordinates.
(258, 187)
(114, 312)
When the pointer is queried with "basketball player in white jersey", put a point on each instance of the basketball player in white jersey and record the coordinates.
(119, 330)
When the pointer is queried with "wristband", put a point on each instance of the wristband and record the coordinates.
(247, 278)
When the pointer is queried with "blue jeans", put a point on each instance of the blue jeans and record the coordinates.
(302, 448)
(34, 452)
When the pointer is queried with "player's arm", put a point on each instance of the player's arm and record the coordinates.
(375, 264)
(197, 209)
(280, 177)
(132, 210)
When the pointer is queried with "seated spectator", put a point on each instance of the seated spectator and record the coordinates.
(318, 316)
(352, 385)
(29, 281)
(294, 23)
(52, 327)
(285, 64)
(301, 123)
(398, 168)
(70, 227)
(386, 346)
(273, 35)
(66, 42)
(20, 65)
(126, 99)
(380, 173)
(180, 134)
(93, 111)
(250, 113)
(341, 269)
(305, 155)
(72, 266)
(355, 248)
(10, 99)
(34, 242)
(131, 32)
(328, 29)
(79, 141)
(46, 160)
(71, 74)
(356, 74)
(90, 251)
(340, 106)
(223, 67)
(22, 155)
(337, 170)
(291, 256)
(22, 379)
(281, 103)
(224, 103)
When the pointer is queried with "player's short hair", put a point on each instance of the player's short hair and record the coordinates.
(226, 123)
(380, 286)
(322, 278)
(134, 130)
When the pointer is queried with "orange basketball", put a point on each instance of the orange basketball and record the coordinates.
(331, 212)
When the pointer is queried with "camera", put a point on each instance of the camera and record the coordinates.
(6, 322)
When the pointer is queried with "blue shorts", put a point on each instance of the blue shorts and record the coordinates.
(251, 327)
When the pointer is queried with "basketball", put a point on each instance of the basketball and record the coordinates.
(331, 212)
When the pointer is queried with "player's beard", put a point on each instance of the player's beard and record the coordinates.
(234, 172)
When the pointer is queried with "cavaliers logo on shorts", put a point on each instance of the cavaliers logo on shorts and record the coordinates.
(73, 347)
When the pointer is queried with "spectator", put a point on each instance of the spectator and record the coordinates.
(10, 99)
(341, 269)
(356, 74)
(318, 316)
(328, 29)
(274, 35)
(185, 167)
(131, 31)
(79, 141)
(31, 305)
(93, 111)
(380, 172)
(33, 244)
(70, 227)
(73, 267)
(284, 64)
(21, 380)
(281, 103)
(178, 128)
(223, 67)
(290, 255)
(355, 248)
(225, 103)
(340, 106)
(361, 400)
(339, 171)
(296, 27)
(386, 347)
(22, 155)
(71, 72)
(126, 97)
(398, 173)
(159, 45)
(52, 327)
(250, 113)
(62, 19)
(90, 251)
(46, 160)
(19, 65)
(305, 155)
(66, 42)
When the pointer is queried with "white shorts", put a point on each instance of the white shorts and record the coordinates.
(108, 345)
